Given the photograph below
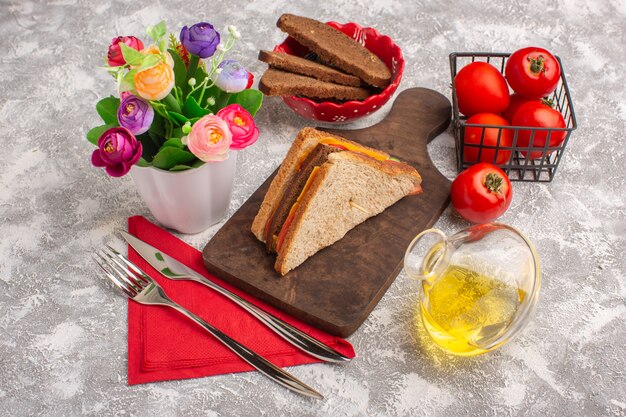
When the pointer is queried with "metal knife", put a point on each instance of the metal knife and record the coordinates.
(173, 269)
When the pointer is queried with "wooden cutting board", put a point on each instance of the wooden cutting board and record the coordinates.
(337, 288)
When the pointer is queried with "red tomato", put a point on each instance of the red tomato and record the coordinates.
(481, 193)
(532, 72)
(516, 102)
(481, 88)
(473, 136)
(539, 115)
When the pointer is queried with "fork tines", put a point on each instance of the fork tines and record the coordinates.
(124, 275)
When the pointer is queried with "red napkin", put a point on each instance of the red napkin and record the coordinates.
(164, 345)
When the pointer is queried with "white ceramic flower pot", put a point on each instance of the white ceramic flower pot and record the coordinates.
(188, 201)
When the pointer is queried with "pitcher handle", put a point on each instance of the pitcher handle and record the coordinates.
(428, 255)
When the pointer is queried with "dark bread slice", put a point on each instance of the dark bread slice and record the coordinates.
(280, 83)
(336, 49)
(307, 67)
(317, 157)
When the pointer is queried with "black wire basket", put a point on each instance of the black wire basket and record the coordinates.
(524, 165)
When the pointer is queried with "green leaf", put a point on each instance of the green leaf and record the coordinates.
(128, 81)
(143, 163)
(131, 56)
(180, 71)
(157, 128)
(176, 142)
(94, 134)
(250, 99)
(200, 74)
(159, 256)
(192, 109)
(183, 167)
(177, 132)
(170, 156)
(107, 109)
(177, 118)
(157, 31)
(149, 61)
(150, 146)
(180, 168)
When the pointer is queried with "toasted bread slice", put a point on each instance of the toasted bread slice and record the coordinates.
(305, 142)
(336, 49)
(297, 183)
(302, 66)
(348, 189)
(280, 83)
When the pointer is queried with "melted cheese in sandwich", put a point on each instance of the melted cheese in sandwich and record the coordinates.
(356, 148)
(283, 230)
(346, 146)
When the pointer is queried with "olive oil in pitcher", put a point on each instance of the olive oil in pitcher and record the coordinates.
(462, 310)
(479, 286)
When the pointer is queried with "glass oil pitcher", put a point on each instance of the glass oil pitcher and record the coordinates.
(479, 286)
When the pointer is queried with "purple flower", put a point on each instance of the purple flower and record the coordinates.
(135, 114)
(118, 150)
(233, 78)
(200, 39)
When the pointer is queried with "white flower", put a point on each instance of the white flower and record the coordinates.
(219, 48)
(192, 82)
(231, 29)
(236, 34)
(210, 101)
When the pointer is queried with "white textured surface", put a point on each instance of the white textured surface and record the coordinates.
(63, 330)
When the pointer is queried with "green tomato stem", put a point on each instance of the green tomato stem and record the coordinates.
(493, 183)
(537, 65)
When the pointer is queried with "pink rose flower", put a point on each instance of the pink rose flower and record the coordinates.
(209, 139)
(241, 125)
(114, 56)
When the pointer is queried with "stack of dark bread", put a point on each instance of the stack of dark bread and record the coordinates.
(343, 69)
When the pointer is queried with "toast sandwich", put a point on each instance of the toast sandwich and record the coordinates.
(326, 186)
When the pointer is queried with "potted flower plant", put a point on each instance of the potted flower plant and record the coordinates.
(182, 114)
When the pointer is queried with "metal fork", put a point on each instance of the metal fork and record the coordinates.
(141, 288)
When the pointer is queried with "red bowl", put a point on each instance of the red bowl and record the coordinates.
(328, 111)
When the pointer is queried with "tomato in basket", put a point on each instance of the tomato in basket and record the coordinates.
(532, 72)
(539, 115)
(481, 88)
(474, 135)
